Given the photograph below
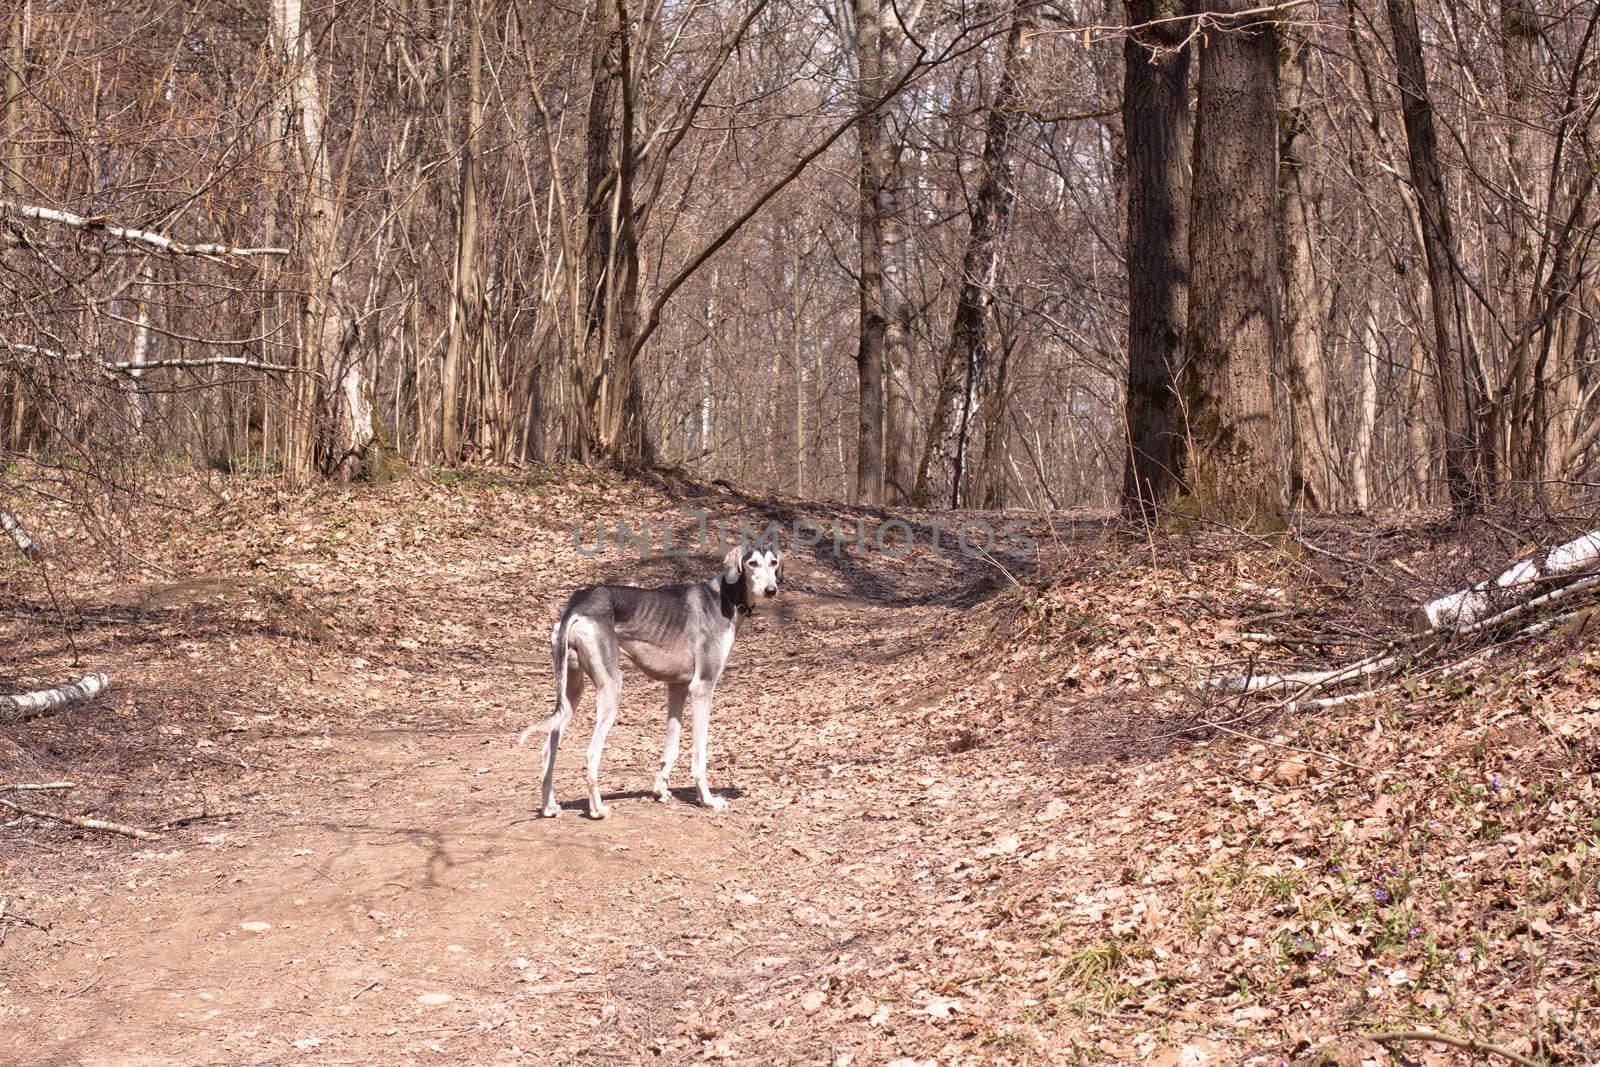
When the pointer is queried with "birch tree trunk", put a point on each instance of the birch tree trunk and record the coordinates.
(964, 379)
(899, 415)
(1366, 413)
(335, 414)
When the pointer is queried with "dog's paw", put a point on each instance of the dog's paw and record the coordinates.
(599, 811)
(551, 810)
(661, 792)
(716, 803)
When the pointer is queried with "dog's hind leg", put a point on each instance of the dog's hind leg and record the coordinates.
(569, 691)
(669, 754)
(607, 692)
(601, 659)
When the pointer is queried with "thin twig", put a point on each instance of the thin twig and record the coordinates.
(1291, 748)
(1471, 1044)
(199, 816)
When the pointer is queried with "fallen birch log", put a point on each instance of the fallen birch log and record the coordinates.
(1522, 608)
(19, 537)
(23, 706)
(1467, 606)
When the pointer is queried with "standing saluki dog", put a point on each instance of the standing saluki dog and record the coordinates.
(679, 634)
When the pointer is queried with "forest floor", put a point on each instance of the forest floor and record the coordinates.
(976, 814)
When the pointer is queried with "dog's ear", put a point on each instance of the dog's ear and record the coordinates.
(776, 552)
(733, 564)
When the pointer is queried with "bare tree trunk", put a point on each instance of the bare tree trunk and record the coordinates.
(1521, 449)
(899, 414)
(13, 395)
(1366, 413)
(799, 382)
(964, 385)
(335, 413)
(609, 412)
(991, 476)
(1230, 466)
(874, 313)
(466, 289)
(1468, 466)
(1156, 125)
(1305, 298)
(1421, 456)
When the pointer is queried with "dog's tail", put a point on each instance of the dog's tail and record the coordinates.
(540, 726)
(558, 652)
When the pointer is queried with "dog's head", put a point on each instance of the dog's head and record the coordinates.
(758, 569)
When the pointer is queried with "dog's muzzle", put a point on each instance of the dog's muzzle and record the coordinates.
(770, 590)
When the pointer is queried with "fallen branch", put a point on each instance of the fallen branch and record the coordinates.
(134, 369)
(1471, 1044)
(1486, 606)
(19, 537)
(199, 816)
(161, 242)
(24, 706)
(1320, 703)
(1261, 683)
(83, 822)
(1467, 606)
(207, 361)
(35, 787)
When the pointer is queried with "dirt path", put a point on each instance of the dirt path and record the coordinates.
(970, 824)
(383, 889)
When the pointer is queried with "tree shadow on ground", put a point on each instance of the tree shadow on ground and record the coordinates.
(887, 556)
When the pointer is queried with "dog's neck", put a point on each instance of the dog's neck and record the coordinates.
(734, 596)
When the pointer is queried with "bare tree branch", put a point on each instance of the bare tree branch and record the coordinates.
(161, 242)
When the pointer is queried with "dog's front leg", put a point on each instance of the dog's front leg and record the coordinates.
(669, 754)
(700, 724)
